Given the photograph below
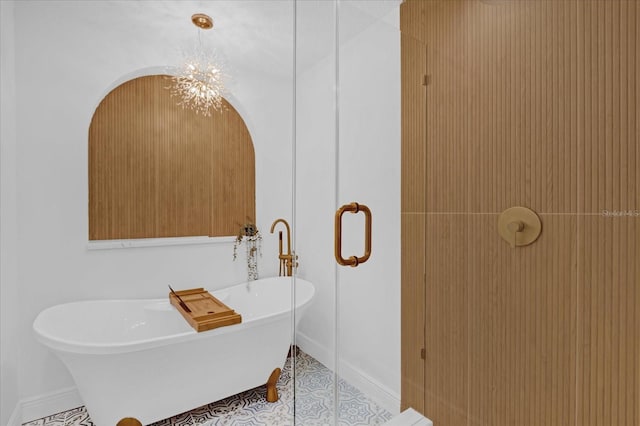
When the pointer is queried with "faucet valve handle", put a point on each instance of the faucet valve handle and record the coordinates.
(515, 227)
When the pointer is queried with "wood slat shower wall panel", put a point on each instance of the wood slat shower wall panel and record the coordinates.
(412, 20)
(610, 122)
(157, 170)
(521, 325)
(608, 373)
(502, 84)
(413, 68)
(447, 299)
(413, 311)
(531, 103)
(413, 106)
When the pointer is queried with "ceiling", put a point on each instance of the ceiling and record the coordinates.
(246, 33)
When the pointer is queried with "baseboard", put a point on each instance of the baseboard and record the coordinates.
(378, 392)
(16, 416)
(50, 403)
(409, 417)
(316, 350)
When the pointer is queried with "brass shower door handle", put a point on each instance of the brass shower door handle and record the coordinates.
(352, 261)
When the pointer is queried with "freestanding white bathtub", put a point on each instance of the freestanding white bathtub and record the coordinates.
(141, 359)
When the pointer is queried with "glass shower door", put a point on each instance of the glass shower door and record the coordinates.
(347, 207)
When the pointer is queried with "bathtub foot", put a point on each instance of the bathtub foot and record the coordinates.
(129, 421)
(272, 391)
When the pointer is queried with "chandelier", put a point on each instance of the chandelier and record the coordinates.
(199, 81)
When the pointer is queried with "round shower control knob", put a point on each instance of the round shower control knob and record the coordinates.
(519, 226)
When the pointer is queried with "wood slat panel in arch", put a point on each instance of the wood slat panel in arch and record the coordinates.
(158, 170)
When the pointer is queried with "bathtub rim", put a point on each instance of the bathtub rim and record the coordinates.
(98, 348)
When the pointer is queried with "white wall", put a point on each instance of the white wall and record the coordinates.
(9, 342)
(64, 66)
(369, 298)
(369, 173)
(316, 178)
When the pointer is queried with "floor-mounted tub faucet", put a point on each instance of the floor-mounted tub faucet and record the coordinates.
(287, 260)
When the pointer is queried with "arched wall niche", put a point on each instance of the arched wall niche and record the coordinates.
(157, 170)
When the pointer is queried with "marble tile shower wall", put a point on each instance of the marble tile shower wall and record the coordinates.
(314, 401)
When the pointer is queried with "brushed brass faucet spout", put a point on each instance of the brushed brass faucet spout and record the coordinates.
(287, 260)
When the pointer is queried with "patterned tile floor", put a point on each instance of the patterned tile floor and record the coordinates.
(313, 404)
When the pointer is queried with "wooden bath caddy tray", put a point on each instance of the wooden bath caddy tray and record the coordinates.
(207, 312)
